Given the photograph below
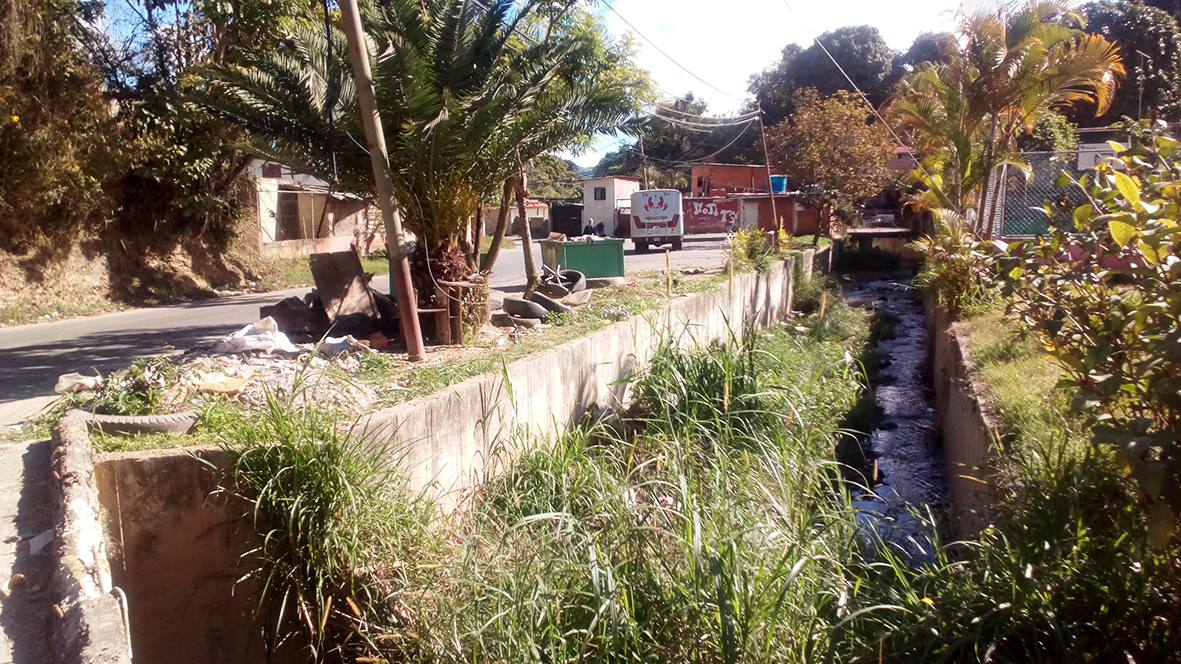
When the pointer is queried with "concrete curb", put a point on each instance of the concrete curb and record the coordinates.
(90, 625)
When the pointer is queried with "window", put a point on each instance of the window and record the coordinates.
(600, 193)
(272, 171)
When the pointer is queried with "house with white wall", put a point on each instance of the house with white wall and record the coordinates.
(602, 198)
(293, 221)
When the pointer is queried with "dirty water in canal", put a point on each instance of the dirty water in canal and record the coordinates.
(909, 476)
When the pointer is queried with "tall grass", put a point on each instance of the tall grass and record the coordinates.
(338, 526)
(708, 529)
(713, 526)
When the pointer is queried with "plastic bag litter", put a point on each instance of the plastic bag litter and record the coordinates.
(333, 346)
(72, 383)
(263, 335)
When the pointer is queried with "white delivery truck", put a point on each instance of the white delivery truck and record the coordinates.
(657, 218)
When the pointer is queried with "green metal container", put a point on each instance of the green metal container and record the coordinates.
(604, 258)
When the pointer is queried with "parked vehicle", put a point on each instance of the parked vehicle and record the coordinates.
(657, 218)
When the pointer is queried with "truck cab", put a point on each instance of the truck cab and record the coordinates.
(657, 219)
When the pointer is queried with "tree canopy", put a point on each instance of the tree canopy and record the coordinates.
(553, 177)
(1007, 69)
(1150, 46)
(469, 93)
(833, 143)
(861, 52)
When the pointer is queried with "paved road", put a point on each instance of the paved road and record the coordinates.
(33, 356)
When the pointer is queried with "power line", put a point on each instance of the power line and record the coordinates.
(662, 52)
(699, 126)
(687, 114)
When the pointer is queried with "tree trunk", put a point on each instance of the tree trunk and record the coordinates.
(471, 252)
(498, 234)
(989, 154)
(531, 279)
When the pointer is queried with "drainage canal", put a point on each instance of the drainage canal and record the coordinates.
(908, 476)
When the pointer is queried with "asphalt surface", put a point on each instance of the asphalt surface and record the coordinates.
(33, 356)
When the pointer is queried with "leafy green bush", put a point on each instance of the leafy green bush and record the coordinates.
(954, 266)
(748, 250)
(1100, 291)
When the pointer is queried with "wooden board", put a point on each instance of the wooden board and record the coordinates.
(341, 284)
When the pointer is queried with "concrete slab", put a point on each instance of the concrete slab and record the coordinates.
(26, 512)
(16, 412)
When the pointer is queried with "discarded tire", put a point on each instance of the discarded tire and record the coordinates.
(134, 424)
(551, 304)
(553, 290)
(524, 308)
(573, 280)
(501, 319)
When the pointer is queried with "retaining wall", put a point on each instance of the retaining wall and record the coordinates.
(448, 437)
(968, 433)
(175, 551)
(90, 626)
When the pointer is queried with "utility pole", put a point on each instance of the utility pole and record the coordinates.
(399, 264)
(643, 163)
(770, 188)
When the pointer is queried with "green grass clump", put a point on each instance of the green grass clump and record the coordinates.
(337, 523)
(1019, 381)
(748, 251)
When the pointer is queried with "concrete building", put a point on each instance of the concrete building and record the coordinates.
(603, 198)
(536, 210)
(293, 221)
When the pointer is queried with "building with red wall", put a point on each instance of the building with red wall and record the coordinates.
(712, 214)
(723, 179)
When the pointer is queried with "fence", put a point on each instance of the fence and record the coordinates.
(1022, 199)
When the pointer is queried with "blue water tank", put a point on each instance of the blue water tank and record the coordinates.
(779, 183)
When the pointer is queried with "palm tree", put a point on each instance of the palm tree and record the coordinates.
(469, 91)
(1010, 64)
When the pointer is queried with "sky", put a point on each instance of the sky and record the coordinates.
(724, 42)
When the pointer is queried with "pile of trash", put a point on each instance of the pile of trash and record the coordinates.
(559, 293)
(342, 302)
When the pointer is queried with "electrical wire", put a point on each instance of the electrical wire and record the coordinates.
(662, 52)
(698, 115)
(698, 126)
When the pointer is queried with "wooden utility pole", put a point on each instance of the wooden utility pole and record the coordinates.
(770, 187)
(395, 243)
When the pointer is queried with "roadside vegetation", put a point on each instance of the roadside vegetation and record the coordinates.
(706, 525)
(712, 522)
(354, 384)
